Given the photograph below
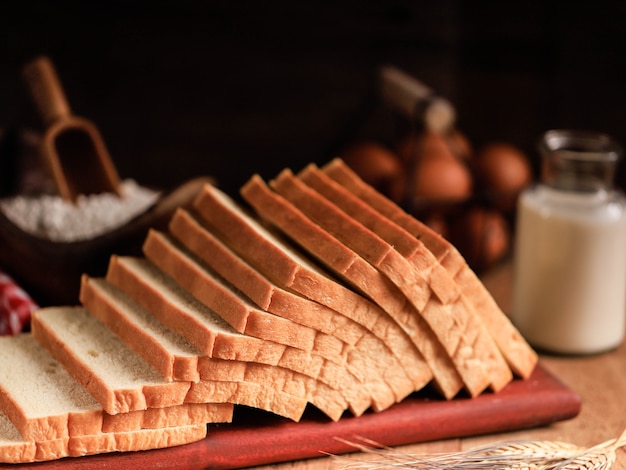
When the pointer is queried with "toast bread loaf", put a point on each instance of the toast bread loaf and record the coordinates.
(326, 294)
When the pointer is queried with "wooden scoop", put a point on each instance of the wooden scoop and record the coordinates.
(72, 146)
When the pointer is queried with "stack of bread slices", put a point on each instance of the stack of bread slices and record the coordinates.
(326, 294)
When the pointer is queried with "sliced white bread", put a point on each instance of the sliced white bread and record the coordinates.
(369, 356)
(122, 381)
(200, 239)
(176, 308)
(39, 395)
(358, 273)
(290, 269)
(170, 354)
(45, 403)
(176, 262)
(455, 324)
(238, 311)
(521, 358)
(409, 246)
(159, 345)
(118, 378)
(14, 449)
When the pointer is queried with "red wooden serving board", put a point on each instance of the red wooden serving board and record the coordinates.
(256, 438)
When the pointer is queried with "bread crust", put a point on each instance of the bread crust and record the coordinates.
(358, 272)
(369, 358)
(520, 357)
(289, 269)
(83, 345)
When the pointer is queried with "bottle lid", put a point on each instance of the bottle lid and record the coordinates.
(416, 101)
(578, 160)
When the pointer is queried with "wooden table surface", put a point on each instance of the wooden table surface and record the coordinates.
(600, 380)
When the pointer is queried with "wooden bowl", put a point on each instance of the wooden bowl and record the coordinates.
(50, 271)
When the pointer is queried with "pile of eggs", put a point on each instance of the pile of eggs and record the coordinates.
(467, 196)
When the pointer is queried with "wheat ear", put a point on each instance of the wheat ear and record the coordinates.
(512, 455)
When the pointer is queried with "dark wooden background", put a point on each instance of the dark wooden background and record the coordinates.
(229, 88)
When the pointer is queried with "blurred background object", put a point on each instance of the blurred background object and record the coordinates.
(232, 88)
(228, 88)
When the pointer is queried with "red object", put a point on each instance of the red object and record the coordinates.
(15, 306)
(258, 438)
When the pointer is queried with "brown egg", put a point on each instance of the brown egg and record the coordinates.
(502, 171)
(379, 167)
(482, 236)
(438, 174)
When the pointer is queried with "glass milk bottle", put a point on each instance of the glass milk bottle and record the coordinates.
(570, 248)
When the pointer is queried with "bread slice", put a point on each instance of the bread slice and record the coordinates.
(45, 403)
(39, 395)
(370, 355)
(120, 380)
(290, 269)
(235, 308)
(179, 264)
(158, 345)
(202, 240)
(521, 358)
(359, 273)
(137, 326)
(170, 354)
(177, 309)
(14, 449)
(453, 320)
(439, 280)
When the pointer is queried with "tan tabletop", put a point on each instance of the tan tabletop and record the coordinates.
(600, 381)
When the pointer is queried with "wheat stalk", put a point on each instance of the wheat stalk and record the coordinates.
(513, 455)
